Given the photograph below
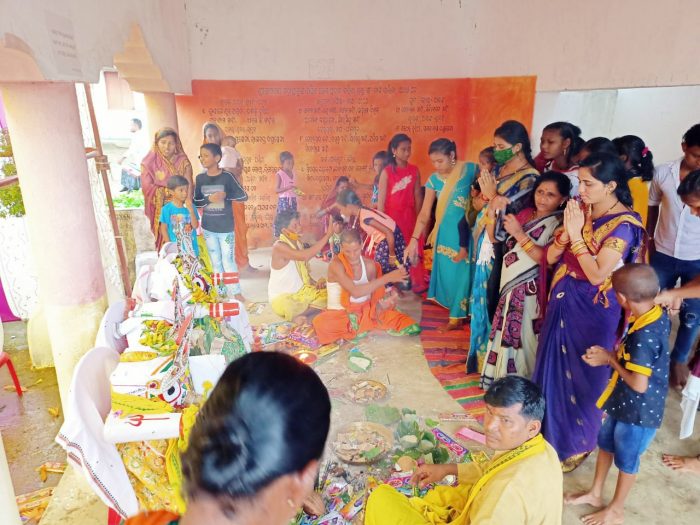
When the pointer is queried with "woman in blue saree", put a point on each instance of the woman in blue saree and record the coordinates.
(508, 192)
(450, 185)
(480, 323)
(598, 237)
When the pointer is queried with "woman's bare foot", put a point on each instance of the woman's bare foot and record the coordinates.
(583, 498)
(239, 297)
(450, 325)
(606, 516)
(461, 256)
(682, 463)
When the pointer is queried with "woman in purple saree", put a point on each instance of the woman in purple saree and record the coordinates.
(582, 311)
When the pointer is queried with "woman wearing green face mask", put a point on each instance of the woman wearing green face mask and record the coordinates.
(512, 188)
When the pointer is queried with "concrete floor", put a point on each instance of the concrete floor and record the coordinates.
(27, 426)
(660, 495)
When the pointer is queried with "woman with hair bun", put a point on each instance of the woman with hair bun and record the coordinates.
(254, 451)
(599, 236)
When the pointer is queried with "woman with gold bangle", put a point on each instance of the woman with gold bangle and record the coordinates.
(599, 236)
(510, 186)
(513, 339)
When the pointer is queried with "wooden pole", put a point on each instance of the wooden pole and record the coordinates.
(102, 165)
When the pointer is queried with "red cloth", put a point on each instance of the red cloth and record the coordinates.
(156, 517)
(400, 205)
(540, 162)
(400, 202)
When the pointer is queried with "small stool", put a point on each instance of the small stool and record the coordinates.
(5, 360)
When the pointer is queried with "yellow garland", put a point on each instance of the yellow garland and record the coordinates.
(131, 357)
(130, 404)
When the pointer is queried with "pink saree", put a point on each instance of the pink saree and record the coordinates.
(155, 172)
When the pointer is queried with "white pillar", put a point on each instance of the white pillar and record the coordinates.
(44, 120)
(8, 504)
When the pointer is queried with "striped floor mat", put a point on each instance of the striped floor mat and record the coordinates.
(446, 354)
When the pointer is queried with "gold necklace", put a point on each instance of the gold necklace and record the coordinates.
(606, 211)
(522, 166)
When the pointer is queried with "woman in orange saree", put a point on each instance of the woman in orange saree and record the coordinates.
(166, 158)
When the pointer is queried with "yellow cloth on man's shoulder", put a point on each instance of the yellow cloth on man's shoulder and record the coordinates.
(521, 486)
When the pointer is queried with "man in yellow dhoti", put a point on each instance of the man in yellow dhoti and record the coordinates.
(521, 484)
(291, 291)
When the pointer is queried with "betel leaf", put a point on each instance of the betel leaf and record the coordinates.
(426, 446)
(410, 418)
(440, 455)
(413, 453)
(408, 428)
(372, 453)
(429, 436)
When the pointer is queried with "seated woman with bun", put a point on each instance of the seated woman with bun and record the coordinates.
(254, 451)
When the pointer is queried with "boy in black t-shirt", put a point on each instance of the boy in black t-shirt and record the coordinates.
(635, 397)
(215, 190)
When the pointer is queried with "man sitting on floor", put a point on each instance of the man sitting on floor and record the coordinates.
(291, 291)
(357, 301)
(521, 484)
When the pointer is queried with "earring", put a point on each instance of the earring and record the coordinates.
(291, 503)
(453, 162)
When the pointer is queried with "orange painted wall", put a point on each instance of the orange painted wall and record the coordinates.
(333, 128)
